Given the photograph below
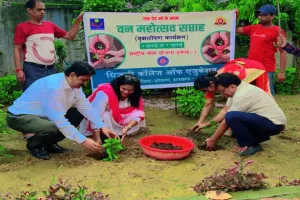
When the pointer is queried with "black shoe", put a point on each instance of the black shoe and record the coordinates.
(38, 152)
(251, 150)
(55, 148)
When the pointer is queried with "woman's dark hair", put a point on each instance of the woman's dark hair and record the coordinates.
(31, 3)
(202, 81)
(80, 68)
(128, 79)
(227, 79)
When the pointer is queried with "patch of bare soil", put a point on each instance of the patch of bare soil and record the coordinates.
(21, 159)
(199, 139)
(72, 159)
(289, 138)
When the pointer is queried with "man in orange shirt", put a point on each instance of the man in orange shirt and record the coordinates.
(262, 39)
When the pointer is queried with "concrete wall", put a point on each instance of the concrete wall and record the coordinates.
(12, 14)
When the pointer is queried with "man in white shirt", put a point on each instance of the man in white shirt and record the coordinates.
(252, 114)
(52, 107)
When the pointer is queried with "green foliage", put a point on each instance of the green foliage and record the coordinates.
(87, 89)
(61, 52)
(104, 6)
(3, 130)
(190, 101)
(287, 85)
(126, 6)
(153, 6)
(60, 191)
(4, 152)
(147, 92)
(10, 89)
(112, 147)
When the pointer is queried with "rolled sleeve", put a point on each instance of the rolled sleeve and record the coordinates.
(55, 111)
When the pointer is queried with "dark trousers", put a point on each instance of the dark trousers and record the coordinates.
(251, 129)
(34, 72)
(43, 129)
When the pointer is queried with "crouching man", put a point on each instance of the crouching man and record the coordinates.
(252, 115)
(51, 109)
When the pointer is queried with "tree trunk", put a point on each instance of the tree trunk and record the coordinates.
(296, 84)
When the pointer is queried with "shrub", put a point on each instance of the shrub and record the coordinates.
(234, 179)
(61, 53)
(3, 130)
(10, 89)
(190, 101)
(287, 85)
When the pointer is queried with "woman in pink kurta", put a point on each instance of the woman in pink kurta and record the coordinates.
(120, 105)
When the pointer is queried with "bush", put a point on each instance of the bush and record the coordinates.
(287, 85)
(61, 52)
(234, 179)
(10, 89)
(190, 101)
(3, 130)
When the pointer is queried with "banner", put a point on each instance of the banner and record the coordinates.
(163, 50)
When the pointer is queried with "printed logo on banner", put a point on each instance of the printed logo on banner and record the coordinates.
(97, 23)
(163, 61)
(220, 21)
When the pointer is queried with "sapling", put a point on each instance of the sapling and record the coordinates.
(112, 147)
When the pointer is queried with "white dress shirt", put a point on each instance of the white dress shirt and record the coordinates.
(52, 97)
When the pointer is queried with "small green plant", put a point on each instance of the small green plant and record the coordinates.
(112, 147)
(10, 89)
(147, 92)
(234, 179)
(80, 193)
(286, 86)
(4, 152)
(190, 101)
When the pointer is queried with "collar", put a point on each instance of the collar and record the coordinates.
(65, 83)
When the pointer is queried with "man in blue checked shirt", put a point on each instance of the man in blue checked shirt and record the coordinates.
(51, 109)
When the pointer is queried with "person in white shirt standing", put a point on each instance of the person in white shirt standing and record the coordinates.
(52, 107)
(252, 114)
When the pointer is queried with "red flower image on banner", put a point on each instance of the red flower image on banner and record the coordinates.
(105, 51)
(216, 47)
